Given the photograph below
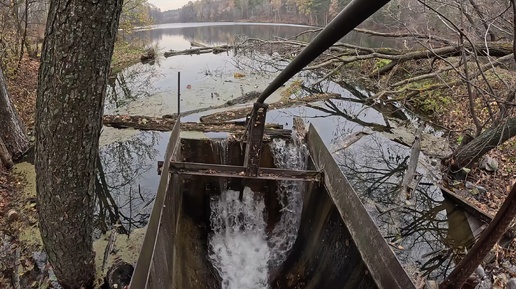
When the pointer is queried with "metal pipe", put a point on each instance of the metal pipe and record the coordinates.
(353, 14)
(178, 94)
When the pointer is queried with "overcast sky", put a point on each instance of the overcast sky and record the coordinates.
(165, 5)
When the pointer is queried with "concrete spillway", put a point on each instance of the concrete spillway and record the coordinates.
(209, 231)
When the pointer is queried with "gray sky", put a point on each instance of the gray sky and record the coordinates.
(169, 4)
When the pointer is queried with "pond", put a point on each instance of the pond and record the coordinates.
(427, 232)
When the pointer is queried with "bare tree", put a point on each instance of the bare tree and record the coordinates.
(13, 137)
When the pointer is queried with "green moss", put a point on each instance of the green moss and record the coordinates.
(429, 101)
(380, 63)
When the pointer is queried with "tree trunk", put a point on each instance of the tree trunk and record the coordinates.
(75, 61)
(12, 129)
(6, 160)
(468, 154)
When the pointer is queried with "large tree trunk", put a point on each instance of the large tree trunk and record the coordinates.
(75, 61)
(468, 154)
(12, 129)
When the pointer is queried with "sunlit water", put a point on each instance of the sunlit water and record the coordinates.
(241, 250)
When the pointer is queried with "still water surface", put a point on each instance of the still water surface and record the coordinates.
(418, 229)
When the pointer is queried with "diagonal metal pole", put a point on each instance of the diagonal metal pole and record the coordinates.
(353, 14)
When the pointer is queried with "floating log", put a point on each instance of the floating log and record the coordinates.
(166, 124)
(199, 50)
(197, 44)
(242, 112)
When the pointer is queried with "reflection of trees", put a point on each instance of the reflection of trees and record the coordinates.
(332, 108)
(132, 83)
(227, 34)
(428, 232)
(121, 200)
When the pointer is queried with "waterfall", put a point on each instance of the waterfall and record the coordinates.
(240, 249)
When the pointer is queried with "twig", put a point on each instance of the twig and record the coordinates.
(109, 248)
(16, 274)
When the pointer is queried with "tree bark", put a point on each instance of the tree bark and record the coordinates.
(468, 154)
(6, 160)
(75, 61)
(12, 129)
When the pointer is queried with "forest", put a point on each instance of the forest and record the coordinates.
(308, 12)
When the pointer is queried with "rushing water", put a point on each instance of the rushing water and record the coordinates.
(241, 250)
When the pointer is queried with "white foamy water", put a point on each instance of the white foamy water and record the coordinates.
(290, 196)
(240, 249)
(240, 252)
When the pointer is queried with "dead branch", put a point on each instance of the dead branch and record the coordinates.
(498, 49)
(407, 88)
(405, 35)
(243, 112)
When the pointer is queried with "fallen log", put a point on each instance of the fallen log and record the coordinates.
(166, 124)
(199, 50)
(244, 111)
(246, 97)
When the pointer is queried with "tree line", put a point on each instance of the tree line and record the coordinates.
(312, 12)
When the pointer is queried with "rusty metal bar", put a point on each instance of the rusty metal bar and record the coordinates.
(383, 265)
(253, 150)
(227, 171)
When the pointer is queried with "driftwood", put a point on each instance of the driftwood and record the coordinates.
(243, 112)
(166, 124)
(199, 50)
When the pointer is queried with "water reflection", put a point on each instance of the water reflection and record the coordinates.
(224, 33)
(133, 83)
(427, 232)
(228, 33)
(127, 182)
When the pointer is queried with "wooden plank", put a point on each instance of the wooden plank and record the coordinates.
(142, 269)
(385, 268)
(227, 171)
